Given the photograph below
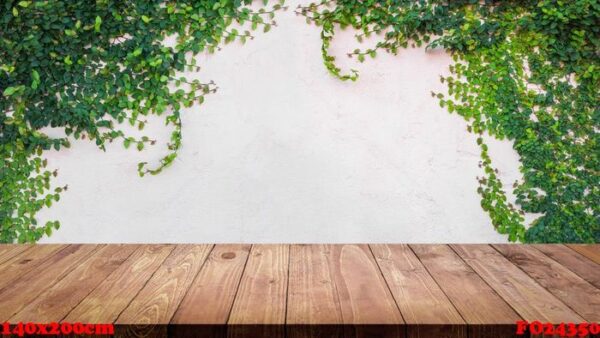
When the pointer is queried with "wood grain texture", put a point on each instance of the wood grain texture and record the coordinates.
(155, 304)
(582, 266)
(209, 299)
(211, 295)
(27, 288)
(367, 305)
(591, 251)
(56, 302)
(527, 297)
(571, 289)
(424, 306)
(260, 303)
(22, 263)
(344, 290)
(485, 312)
(109, 299)
(313, 304)
(8, 251)
(157, 301)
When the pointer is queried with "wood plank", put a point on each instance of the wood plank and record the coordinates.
(105, 303)
(154, 306)
(591, 251)
(571, 289)
(582, 266)
(27, 288)
(424, 306)
(367, 305)
(211, 295)
(56, 302)
(26, 261)
(528, 298)
(313, 305)
(300, 290)
(260, 304)
(8, 251)
(484, 311)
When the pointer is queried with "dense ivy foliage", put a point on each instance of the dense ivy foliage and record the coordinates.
(528, 71)
(89, 67)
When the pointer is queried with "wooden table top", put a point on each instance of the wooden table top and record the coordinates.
(301, 290)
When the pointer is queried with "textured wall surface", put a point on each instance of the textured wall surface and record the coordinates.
(286, 153)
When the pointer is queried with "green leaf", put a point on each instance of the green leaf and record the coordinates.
(97, 24)
(35, 79)
(9, 91)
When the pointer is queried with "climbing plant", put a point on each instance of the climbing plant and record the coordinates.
(523, 70)
(527, 71)
(89, 67)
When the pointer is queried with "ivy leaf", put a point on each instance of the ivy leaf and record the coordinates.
(35, 79)
(9, 91)
(97, 24)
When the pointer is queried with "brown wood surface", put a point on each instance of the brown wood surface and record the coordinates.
(528, 298)
(27, 288)
(261, 299)
(155, 304)
(56, 302)
(424, 306)
(209, 299)
(109, 299)
(485, 312)
(26, 261)
(591, 251)
(365, 298)
(313, 304)
(157, 301)
(211, 295)
(8, 251)
(300, 290)
(574, 261)
(571, 289)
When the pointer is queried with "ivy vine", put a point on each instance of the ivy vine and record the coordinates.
(523, 70)
(89, 67)
(527, 71)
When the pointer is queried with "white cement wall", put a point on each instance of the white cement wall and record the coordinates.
(284, 152)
